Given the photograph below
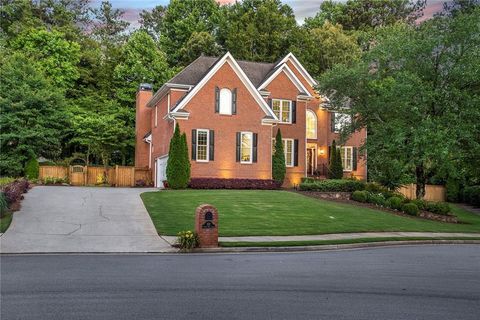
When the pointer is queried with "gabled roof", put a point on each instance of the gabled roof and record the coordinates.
(290, 57)
(195, 69)
(289, 73)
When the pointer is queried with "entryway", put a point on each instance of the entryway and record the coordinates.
(311, 160)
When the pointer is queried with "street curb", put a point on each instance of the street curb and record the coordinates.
(326, 247)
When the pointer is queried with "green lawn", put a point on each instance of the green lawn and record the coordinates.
(255, 212)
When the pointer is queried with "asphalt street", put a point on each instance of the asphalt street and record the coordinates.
(407, 282)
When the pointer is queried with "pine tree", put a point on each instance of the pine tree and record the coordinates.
(186, 159)
(177, 170)
(278, 160)
(335, 169)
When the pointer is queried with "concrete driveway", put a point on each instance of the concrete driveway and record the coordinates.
(82, 219)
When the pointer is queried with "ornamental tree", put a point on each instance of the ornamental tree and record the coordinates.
(178, 170)
(335, 168)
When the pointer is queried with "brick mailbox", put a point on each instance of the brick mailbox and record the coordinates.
(206, 226)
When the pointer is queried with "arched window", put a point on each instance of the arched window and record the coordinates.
(311, 125)
(225, 101)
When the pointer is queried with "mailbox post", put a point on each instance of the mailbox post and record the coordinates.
(206, 226)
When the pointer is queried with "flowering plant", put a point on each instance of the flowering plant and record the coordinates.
(187, 240)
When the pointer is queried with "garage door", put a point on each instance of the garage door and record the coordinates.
(161, 172)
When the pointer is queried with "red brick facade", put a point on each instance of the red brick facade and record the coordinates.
(194, 107)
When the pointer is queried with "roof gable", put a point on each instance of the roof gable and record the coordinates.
(290, 57)
(290, 75)
(227, 58)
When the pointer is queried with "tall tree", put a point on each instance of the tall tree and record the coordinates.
(200, 43)
(178, 163)
(181, 19)
(109, 26)
(257, 30)
(33, 116)
(336, 47)
(417, 93)
(151, 21)
(279, 168)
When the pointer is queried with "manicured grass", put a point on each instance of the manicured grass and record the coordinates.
(5, 222)
(263, 212)
(326, 242)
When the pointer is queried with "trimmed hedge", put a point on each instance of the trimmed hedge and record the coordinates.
(376, 198)
(410, 208)
(441, 208)
(471, 195)
(394, 203)
(333, 185)
(360, 196)
(217, 183)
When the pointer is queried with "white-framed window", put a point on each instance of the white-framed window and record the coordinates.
(225, 101)
(246, 147)
(202, 145)
(342, 120)
(287, 150)
(311, 120)
(347, 158)
(283, 110)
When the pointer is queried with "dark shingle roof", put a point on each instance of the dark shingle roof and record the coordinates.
(195, 71)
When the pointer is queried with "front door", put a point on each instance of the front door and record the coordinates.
(311, 161)
(161, 172)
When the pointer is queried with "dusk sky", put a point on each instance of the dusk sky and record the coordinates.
(302, 8)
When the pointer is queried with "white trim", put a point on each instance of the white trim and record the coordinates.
(299, 67)
(343, 149)
(290, 75)
(281, 111)
(208, 144)
(156, 116)
(165, 90)
(251, 147)
(227, 58)
(306, 124)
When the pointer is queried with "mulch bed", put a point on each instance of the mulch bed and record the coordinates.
(422, 214)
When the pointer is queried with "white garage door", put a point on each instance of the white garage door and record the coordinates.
(161, 172)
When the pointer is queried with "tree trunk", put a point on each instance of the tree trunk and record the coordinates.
(421, 180)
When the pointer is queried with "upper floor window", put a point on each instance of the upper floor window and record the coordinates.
(225, 101)
(311, 119)
(340, 121)
(283, 110)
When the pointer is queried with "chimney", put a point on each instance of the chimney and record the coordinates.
(143, 125)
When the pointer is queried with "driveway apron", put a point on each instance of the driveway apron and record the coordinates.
(82, 219)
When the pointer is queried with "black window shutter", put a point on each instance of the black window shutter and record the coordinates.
(255, 144)
(234, 101)
(294, 111)
(329, 150)
(354, 158)
(238, 146)
(270, 103)
(295, 153)
(217, 99)
(332, 121)
(211, 147)
(194, 144)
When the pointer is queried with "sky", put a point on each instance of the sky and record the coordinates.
(302, 8)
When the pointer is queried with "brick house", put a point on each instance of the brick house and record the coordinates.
(231, 111)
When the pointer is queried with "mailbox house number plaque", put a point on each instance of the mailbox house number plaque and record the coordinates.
(208, 221)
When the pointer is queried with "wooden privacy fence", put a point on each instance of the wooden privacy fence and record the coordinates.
(118, 176)
(432, 192)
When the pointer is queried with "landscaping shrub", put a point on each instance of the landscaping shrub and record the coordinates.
(394, 203)
(279, 168)
(441, 208)
(178, 164)
(360, 196)
(187, 240)
(6, 180)
(333, 185)
(410, 208)
(140, 183)
(3, 204)
(421, 204)
(217, 183)
(14, 190)
(307, 180)
(54, 180)
(376, 198)
(471, 195)
(335, 168)
(32, 169)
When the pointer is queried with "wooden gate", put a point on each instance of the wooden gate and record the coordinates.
(77, 175)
